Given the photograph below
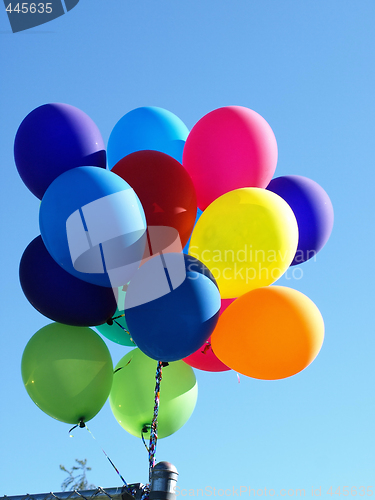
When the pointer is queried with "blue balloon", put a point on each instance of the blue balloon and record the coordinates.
(145, 128)
(313, 211)
(52, 139)
(186, 247)
(172, 306)
(59, 295)
(94, 226)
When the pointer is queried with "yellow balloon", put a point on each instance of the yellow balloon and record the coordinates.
(247, 238)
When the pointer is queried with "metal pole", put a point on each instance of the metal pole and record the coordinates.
(163, 482)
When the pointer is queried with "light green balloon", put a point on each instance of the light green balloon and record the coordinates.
(67, 372)
(133, 391)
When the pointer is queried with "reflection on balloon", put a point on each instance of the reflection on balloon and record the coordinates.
(247, 238)
(67, 372)
(52, 139)
(313, 210)
(132, 394)
(275, 333)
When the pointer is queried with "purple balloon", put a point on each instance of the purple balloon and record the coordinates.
(60, 296)
(312, 209)
(52, 139)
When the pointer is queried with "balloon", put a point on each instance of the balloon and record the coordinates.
(147, 128)
(59, 295)
(93, 225)
(205, 358)
(67, 372)
(186, 247)
(313, 210)
(227, 149)
(171, 305)
(113, 331)
(275, 332)
(225, 303)
(247, 238)
(164, 188)
(52, 139)
(132, 394)
(117, 329)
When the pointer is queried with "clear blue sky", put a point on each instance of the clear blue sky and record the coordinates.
(308, 67)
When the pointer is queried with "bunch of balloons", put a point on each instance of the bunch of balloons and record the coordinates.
(170, 250)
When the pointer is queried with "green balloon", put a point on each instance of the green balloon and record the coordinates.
(133, 392)
(115, 332)
(67, 372)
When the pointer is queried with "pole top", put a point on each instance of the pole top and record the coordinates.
(167, 466)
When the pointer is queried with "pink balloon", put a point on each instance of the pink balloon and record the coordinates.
(229, 148)
(225, 303)
(205, 358)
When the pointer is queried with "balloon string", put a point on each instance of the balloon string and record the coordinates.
(125, 330)
(82, 424)
(117, 317)
(143, 438)
(154, 425)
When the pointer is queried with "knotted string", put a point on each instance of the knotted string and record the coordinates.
(154, 425)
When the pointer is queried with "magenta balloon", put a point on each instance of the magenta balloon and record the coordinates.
(229, 148)
(52, 139)
(313, 210)
(205, 358)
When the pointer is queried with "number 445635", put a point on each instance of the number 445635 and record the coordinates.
(33, 8)
(346, 491)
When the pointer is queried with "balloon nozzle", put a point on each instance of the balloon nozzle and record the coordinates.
(146, 428)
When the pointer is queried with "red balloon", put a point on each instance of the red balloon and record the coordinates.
(164, 188)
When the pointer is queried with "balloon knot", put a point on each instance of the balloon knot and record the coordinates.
(110, 321)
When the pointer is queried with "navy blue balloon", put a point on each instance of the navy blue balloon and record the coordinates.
(60, 296)
(172, 305)
(52, 139)
(313, 210)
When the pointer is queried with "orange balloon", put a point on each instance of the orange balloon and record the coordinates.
(269, 333)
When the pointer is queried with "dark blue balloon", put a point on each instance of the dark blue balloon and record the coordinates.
(313, 210)
(52, 139)
(172, 306)
(59, 295)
